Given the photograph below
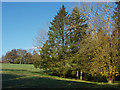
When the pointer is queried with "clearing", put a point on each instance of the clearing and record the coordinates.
(26, 76)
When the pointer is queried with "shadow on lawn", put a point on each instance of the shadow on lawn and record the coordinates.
(24, 71)
(14, 81)
(13, 70)
(19, 81)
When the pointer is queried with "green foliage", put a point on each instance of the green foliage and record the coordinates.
(101, 55)
(57, 35)
(18, 56)
(77, 49)
(64, 34)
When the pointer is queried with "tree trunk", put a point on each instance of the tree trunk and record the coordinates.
(77, 75)
(111, 79)
(81, 75)
(20, 61)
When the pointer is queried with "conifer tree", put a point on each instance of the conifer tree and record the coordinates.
(53, 50)
(56, 34)
(76, 30)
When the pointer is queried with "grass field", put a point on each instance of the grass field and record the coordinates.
(26, 76)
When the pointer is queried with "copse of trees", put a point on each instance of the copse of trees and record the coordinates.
(19, 56)
(80, 46)
(63, 41)
(83, 44)
(100, 48)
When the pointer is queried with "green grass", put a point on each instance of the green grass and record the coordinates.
(26, 76)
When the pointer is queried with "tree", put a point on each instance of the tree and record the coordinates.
(100, 55)
(64, 36)
(4, 60)
(82, 41)
(21, 54)
(45, 58)
(57, 32)
(54, 48)
(98, 51)
(41, 38)
(18, 56)
(116, 24)
(11, 55)
(28, 58)
(77, 27)
(117, 15)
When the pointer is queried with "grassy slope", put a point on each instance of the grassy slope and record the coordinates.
(26, 76)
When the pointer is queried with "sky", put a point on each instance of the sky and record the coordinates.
(22, 20)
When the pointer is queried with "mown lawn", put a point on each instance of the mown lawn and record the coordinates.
(26, 76)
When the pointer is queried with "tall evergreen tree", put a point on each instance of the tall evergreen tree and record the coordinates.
(53, 50)
(56, 34)
(76, 29)
(65, 32)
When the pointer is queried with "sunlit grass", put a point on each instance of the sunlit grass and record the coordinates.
(25, 75)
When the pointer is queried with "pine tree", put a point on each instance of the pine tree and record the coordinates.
(63, 40)
(56, 34)
(76, 31)
(53, 50)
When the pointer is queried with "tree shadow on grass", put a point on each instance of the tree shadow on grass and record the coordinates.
(15, 81)
(12, 70)
(21, 70)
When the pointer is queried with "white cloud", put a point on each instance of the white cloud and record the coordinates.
(34, 47)
(31, 48)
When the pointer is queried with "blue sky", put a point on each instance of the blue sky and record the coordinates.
(22, 20)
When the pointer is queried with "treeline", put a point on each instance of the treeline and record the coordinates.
(83, 45)
(20, 56)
